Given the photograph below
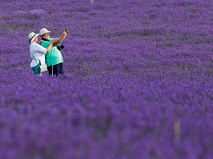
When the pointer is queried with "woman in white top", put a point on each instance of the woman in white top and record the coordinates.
(37, 52)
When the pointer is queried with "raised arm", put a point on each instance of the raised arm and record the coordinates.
(63, 36)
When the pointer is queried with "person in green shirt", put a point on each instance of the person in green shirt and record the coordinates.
(54, 59)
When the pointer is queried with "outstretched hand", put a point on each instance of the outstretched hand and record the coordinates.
(65, 32)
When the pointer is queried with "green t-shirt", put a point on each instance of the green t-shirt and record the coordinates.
(54, 56)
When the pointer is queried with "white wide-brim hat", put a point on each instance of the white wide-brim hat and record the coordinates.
(43, 31)
(32, 36)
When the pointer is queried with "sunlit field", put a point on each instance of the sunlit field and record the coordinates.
(138, 81)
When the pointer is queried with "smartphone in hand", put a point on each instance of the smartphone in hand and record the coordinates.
(66, 30)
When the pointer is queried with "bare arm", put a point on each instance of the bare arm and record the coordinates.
(63, 36)
(51, 45)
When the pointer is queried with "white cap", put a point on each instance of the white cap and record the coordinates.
(43, 31)
(32, 36)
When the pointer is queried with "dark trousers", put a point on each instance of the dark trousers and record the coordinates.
(56, 69)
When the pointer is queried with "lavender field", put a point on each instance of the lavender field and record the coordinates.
(138, 80)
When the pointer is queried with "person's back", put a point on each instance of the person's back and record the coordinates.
(37, 54)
